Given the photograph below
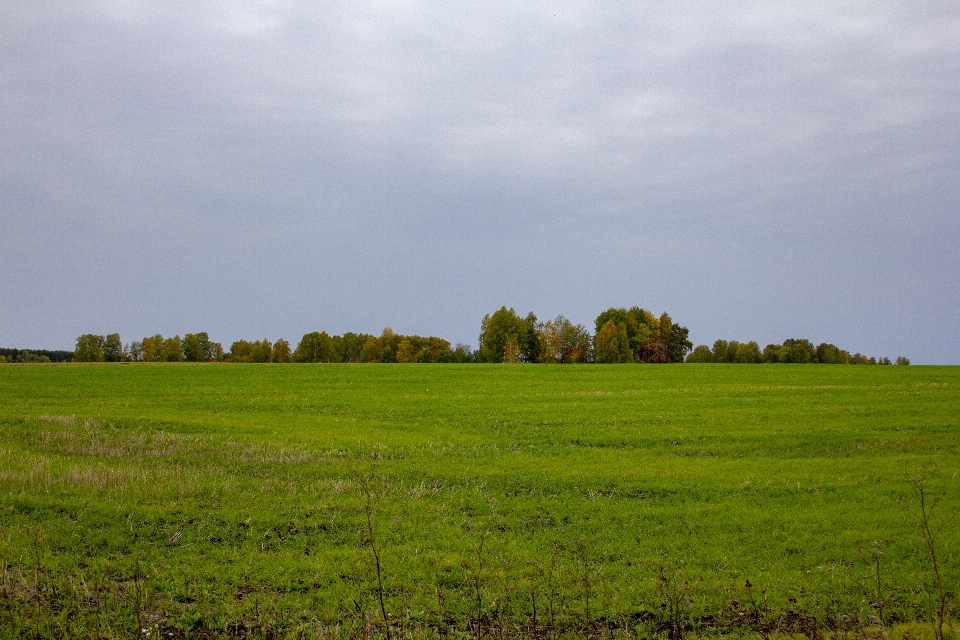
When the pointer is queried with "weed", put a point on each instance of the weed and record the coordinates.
(923, 510)
(371, 540)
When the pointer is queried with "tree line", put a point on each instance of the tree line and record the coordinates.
(620, 335)
(793, 350)
(35, 355)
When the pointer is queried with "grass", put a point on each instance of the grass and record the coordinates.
(233, 500)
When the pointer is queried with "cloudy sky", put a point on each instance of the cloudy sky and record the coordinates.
(759, 170)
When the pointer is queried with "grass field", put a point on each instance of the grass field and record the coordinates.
(233, 500)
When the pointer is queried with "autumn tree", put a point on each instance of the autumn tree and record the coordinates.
(241, 350)
(551, 343)
(373, 350)
(391, 341)
(611, 344)
(405, 352)
(512, 353)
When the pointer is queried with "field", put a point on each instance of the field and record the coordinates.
(502, 501)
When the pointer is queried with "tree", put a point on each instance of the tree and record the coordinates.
(405, 352)
(194, 349)
(678, 345)
(171, 350)
(314, 347)
(902, 361)
(551, 344)
(801, 351)
(748, 353)
(530, 340)
(152, 347)
(281, 351)
(390, 342)
(136, 351)
(261, 351)
(462, 353)
(611, 344)
(112, 348)
(575, 341)
(503, 327)
(512, 353)
(373, 349)
(89, 348)
(720, 351)
(653, 352)
(701, 354)
(241, 350)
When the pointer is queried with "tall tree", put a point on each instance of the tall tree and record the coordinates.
(530, 340)
(194, 349)
(611, 344)
(496, 330)
(241, 350)
(405, 352)
(551, 343)
(112, 348)
(261, 351)
(171, 350)
(89, 348)
(314, 347)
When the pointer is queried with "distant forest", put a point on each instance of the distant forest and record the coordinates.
(35, 355)
(620, 335)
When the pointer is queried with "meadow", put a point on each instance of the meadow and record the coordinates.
(182, 500)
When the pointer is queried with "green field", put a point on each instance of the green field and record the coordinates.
(231, 500)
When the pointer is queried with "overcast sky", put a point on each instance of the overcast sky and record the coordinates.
(759, 170)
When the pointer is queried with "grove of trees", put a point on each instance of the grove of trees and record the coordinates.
(621, 335)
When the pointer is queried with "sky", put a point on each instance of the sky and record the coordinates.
(264, 169)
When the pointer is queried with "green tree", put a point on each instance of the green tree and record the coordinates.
(748, 353)
(701, 354)
(89, 348)
(530, 340)
(496, 330)
(194, 349)
(575, 341)
(314, 347)
(112, 348)
(462, 354)
(611, 344)
(261, 351)
(373, 350)
(720, 351)
(171, 350)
